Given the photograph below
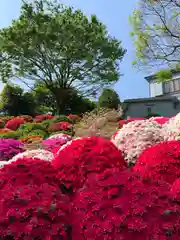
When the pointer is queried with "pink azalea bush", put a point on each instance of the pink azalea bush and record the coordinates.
(9, 148)
(126, 121)
(135, 137)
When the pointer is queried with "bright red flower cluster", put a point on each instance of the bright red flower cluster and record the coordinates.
(123, 122)
(84, 156)
(122, 206)
(175, 190)
(161, 120)
(32, 206)
(60, 126)
(43, 117)
(161, 161)
(14, 124)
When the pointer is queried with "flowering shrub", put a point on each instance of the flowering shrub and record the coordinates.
(4, 130)
(10, 134)
(74, 118)
(121, 206)
(32, 206)
(175, 190)
(171, 129)
(160, 120)
(55, 141)
(60, 126)
(27, 118)
(60, 136)
(83, 156)
(61, 118)
(14, 124)
(123, 122)
(43, 117)
(31, 129)
(161, 161)
(31, 139)
(34, 154)
(135, 137)
(9, 148)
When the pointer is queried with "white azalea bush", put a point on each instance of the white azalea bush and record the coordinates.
(133, 138)
(38, 153)
(171, 130)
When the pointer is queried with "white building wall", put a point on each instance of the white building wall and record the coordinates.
(156, 89)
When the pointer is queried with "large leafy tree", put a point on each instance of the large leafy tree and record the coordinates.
(156, 33)
(62, 48)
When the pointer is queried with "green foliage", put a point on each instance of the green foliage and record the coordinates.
(44, 99)
(61, 118)
(156, 33)
(12, 134)
(164, 75)
(109, 99)
(47, 123)
(38, 132)
(61, 48)
(28, 129)
(15, 102)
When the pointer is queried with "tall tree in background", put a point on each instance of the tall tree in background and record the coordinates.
(62, 48)
(14, 102)
(156, 33)
(109, 99)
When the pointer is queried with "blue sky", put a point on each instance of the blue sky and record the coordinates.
(115, 15)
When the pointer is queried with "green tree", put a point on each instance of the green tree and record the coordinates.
(109, 99)
(45, 101)
(156, 34)
(62, 48)
(15, 102)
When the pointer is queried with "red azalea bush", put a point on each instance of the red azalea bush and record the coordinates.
(43, 117)
(60, 126)
(160, 120)
(161, 161)
(74, 118)
(83, 156)
(121, 206)
(123, 122)
(9, 148)
(27, 118)
(175, 190)
(32, 205)
(14, 124)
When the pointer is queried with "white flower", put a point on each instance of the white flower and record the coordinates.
(38, 153)
(133, 138)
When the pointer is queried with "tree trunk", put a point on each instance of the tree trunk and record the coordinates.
(62, 97)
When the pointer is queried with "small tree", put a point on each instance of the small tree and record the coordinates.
(156, 33)
(109, 99)
(62, 48)
(15, 102)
